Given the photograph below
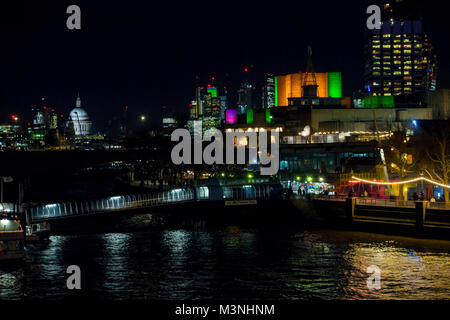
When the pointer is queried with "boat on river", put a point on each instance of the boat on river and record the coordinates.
(37, 232)
(12, 240)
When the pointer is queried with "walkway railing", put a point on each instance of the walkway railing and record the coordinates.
(385, 202)
(116, 203)
(126, 202)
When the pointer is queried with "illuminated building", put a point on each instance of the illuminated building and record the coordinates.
(44, 116)
(268, 95)
(52, 121)
(10, 134)
(79, 120)
(245, 97)
(231, 116)
(209, 107)
(169, 124)
(329, 85)
(399, 57)
(327, 124)
(193, 110)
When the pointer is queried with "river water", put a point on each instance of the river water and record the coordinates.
(232, 263)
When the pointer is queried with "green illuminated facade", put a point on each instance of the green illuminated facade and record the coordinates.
(276, 91)
(379, 102)
(249, 116)
(268, 116)
(212, 91)
(335, 84)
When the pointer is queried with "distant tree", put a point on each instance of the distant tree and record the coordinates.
(400, 156)
(433, 144)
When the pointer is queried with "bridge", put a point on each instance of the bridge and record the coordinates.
(68, 209)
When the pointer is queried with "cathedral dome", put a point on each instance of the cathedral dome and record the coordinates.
(78, 113)
(79, 120)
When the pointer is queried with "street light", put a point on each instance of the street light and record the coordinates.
(143, 118)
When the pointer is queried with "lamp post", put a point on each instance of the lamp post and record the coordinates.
(79, 124)
(383, 159)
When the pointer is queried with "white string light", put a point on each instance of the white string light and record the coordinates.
(403, 182)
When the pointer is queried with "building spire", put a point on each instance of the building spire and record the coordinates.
(78, 104)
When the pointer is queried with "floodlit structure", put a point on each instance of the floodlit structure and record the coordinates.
(79, 120)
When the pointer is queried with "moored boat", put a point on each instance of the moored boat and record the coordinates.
(11, 240)
(38, 232)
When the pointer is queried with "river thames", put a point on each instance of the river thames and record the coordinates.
(231, 263)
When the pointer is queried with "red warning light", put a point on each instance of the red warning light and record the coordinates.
(245, 69)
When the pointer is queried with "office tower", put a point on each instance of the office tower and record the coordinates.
(169, 124)
(245, 97)
(399, 57)
(209, 107)
(268, 95)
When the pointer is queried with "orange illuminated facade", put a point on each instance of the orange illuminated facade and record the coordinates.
(290, 86)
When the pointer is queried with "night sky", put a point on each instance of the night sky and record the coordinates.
(147, 54)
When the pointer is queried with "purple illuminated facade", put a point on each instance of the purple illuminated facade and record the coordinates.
(231, 116)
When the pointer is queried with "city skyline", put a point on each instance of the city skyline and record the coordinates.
(111, 63)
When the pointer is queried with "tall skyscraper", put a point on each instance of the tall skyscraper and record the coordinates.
(245, 97)
(209, 107)
(268, 95)
(399, 57)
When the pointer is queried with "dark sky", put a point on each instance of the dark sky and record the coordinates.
(146, 54)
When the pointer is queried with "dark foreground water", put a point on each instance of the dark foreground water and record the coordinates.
(232, 263)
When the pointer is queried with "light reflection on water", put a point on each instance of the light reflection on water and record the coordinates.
(232, 264)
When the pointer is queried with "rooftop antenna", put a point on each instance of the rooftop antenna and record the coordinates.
(309, 85)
